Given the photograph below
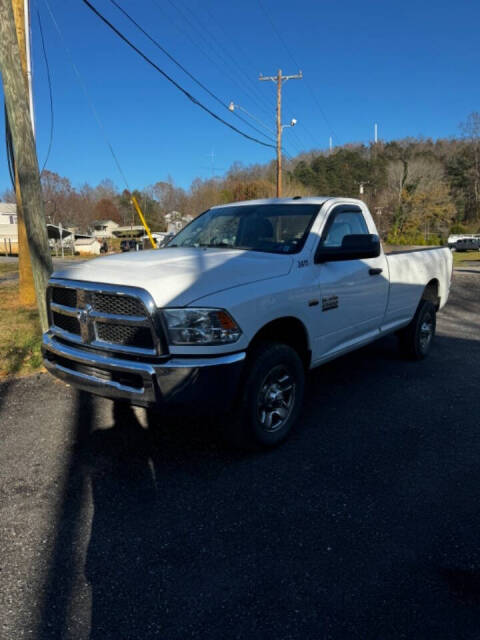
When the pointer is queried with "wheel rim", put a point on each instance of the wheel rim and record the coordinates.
(276, 399)
(426, 332)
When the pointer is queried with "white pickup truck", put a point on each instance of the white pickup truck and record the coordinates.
(238, 307)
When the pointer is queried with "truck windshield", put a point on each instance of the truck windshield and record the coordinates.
(271, 228)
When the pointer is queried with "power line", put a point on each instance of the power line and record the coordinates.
(232, 106)
(52, 121)
(287, 49)
(9, 145)
(267, 109)
(170, 79)
(186, 71)
(266, 106)
(222, 53)
(87, 95)
(299, 141)
(198, 45)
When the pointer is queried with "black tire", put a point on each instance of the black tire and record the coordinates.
(417, 337)
(270, 399)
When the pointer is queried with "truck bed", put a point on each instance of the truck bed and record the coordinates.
(410, 271)
(391, 251)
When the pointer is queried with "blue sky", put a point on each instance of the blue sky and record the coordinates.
(412, 67)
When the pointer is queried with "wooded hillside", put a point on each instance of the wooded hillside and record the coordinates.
(418, 190)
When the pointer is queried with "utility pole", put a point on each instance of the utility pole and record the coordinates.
(19, 117)
(28, 55)
(280, 79)
(213, 168)
(26, 286)
(361, 186)
(375, 135)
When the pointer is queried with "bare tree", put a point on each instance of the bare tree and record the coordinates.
(471, 131)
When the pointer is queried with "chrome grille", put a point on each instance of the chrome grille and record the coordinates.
(125, 334)
(66, 323)
(118, 320)
(65, 296)
(119, 305)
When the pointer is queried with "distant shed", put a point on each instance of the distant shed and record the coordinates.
(88, 246)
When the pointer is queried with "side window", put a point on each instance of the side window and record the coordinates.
(343, 221)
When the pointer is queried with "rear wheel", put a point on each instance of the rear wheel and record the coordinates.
(272, 396)
(416, 339)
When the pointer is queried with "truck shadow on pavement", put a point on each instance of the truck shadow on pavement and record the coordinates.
(361, 525)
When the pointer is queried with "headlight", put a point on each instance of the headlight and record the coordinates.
(201, 326)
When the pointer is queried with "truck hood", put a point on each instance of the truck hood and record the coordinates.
(179, 276)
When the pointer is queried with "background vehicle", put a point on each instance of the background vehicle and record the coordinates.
(452, 240)
(130, 245)
(467, 244)
(242, 302)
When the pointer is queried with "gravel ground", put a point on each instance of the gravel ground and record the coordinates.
(364, 524)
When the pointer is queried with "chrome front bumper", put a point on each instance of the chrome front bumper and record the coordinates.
(199, 383)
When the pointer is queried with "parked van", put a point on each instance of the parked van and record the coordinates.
(468, 244)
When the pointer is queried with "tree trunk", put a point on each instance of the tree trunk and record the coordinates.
(26, 285)
(16, 100)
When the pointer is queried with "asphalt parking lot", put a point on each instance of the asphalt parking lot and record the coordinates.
(364, 524)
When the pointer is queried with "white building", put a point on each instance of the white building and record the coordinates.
(176, 221)
(87, 246)
(104, 228)
(8, 213)
(8, 228)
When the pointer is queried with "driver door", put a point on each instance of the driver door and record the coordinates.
(353, 292)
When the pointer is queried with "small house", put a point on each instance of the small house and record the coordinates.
(8, 228)
(8, 213)
(87, 246)
(104, 228)
(176, 221)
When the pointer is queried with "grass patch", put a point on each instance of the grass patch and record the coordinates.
(20, 334)
(466, 256)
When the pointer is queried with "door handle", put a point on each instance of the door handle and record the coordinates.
(375, 272)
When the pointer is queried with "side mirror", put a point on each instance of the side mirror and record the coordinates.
(353, 247)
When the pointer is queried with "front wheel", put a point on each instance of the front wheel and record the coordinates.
(416, 339)
(271, 398)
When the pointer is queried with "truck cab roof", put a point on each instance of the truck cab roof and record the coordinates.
(320, 200)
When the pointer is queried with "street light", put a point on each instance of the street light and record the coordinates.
(232, 106)
(293, 122)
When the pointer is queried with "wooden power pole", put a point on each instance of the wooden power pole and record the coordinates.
(17, 104)
(26, 285)
(280, 79)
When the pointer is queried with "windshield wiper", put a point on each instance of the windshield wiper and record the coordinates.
(221, 245)
(203, 245)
